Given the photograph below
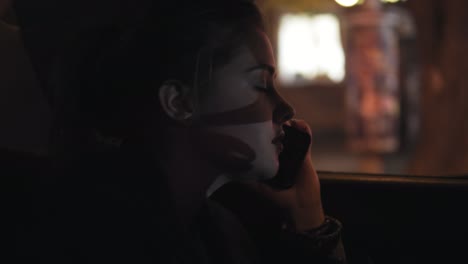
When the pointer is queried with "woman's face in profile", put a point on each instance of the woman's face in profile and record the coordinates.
(242, 114)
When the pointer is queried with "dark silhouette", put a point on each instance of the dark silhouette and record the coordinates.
(153, 116)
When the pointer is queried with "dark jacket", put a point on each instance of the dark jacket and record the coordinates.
(267, 227)
(117, 214)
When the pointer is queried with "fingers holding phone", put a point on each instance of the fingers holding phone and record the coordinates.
(296, 187)
(296, 148)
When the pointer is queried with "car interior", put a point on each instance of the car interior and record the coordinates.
(400, 197)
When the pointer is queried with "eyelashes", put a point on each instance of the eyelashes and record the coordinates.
(265, 89)
(265, 85)
(264, 82)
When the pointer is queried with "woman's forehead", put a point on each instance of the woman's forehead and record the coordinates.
(255, 50)
(260, 48)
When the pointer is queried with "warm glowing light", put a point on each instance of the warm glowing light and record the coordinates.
(350, 3)
(309, 48)
(347, 3)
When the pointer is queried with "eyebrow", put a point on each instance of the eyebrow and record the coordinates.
(263, 66)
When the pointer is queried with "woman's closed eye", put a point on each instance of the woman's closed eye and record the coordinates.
(264, 82)
(265, 88)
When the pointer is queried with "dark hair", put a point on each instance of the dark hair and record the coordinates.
(111, 84)
(105, 91)
(106, 80)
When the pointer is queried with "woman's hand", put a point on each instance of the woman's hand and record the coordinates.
(303, 200)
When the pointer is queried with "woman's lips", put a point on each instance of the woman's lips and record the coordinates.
(279, 138)
(279, 147)
(278, 141)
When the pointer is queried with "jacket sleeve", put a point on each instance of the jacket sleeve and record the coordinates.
(320, 245)
(274, 241)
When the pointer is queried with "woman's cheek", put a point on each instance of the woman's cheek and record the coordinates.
(226, 152)
(266, 164)
(244, 151)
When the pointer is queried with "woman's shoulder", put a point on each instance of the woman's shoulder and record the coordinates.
(257, 214)
(228, 236)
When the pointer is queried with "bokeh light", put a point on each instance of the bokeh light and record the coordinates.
(310, 48)
(347, 3)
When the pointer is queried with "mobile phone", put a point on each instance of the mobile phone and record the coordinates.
(295, 146)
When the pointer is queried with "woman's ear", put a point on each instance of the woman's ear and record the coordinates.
(176, 101)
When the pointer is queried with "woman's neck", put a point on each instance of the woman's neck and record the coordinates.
(218, 183)
(189, 178)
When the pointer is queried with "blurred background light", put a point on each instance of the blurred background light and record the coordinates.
(347, 3)
(350, 3)
(309, 48)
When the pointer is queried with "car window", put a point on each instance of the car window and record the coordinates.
(382, 83)
(401, 106)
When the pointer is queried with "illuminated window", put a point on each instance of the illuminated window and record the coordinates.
(310, 49)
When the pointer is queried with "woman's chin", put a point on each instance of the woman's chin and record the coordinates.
(266, 177)
(260, 170)
(258, 174)
(268, 172)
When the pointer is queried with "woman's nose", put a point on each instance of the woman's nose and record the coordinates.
(283, 111)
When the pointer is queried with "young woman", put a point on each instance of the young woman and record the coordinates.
(154, 119)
